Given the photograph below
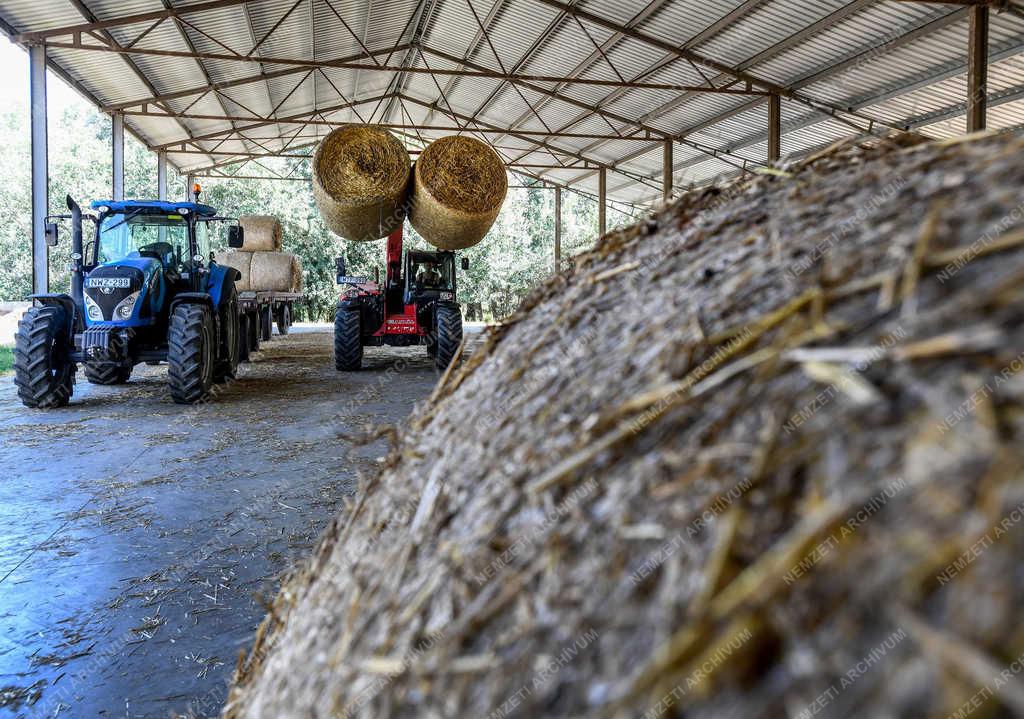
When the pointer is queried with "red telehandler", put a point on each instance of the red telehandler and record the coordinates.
(417, 305)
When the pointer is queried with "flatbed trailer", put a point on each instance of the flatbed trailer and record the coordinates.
(259, 311)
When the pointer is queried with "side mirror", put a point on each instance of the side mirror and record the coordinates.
(339, 264)
(51, 234)
(236, 236)
(465, 263)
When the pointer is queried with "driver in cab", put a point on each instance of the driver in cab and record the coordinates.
(428, 276)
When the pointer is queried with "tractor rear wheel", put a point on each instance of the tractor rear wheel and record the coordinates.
(348, 341)
(190, 353)
(243, 337)
(284, 318)
(266, 323)
(227, 363)
(448, 331)
(44, 376)
(107, 373)
(254, 331)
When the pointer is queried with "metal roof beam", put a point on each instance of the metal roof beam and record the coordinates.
(29, 38)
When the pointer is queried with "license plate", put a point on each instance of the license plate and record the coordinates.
(113, 282)
(347, 280)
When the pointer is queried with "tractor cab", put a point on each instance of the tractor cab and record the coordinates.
(429, 276)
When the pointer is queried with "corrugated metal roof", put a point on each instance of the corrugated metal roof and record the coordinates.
(223, 78)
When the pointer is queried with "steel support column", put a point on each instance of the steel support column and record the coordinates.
(161, 175)
(117, 156)
(189, 181)
(40, 173)
(774, 129)
(602, 201)
(666, 172)
(558, 228)
(977, 69)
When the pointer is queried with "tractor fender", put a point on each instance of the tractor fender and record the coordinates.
(60, 300)
(219, 278)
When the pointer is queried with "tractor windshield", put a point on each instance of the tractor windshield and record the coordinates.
(138, 233)
(431, 273)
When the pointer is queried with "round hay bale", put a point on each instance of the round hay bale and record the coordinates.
(360, 182)
(458, 190)
(262, 233)
(241, 261)
(274, 272)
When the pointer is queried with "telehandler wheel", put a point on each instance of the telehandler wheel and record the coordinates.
(190, 353)
(44, 376)
(448, 330)
(107, 373)
(227, 362)
(348, 342)
(284, 318)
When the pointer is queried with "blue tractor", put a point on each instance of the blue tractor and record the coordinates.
(145, 289)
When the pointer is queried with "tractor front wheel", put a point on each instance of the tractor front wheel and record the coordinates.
(42, 372)
(448, 332)
(190, 353)
(107, 373)
(348, 341)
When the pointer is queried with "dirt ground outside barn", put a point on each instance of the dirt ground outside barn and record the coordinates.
(138, 536)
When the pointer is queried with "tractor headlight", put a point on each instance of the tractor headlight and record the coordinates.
(124, 308)
(92, 309)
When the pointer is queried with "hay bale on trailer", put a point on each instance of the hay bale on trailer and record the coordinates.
(800, 471)
(360, 182)
(459, 186)
(241, 261)
(263, 233)
(275, 272)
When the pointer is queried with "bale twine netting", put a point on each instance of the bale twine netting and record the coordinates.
(241, 261)
(793, 489)
(262, 233)
(459, 186)
(360, 182)
(275, 271)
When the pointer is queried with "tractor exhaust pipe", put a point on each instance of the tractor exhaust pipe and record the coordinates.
(77, 258)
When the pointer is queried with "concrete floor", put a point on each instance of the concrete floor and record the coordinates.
(137, 535)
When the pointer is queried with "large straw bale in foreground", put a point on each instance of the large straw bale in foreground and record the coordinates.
(458, 190)
(262, 233)
(360, 182)
(759, 456)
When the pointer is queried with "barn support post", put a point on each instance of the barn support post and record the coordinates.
(558, 228)
(117, 156)
(40, 171)
(189, 181)
(161, 175)
(774, 129)
(602, 201)
(977, 68)
(666, 172)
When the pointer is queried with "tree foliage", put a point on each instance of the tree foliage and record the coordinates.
(515, 255)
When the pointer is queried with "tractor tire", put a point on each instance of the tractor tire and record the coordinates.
(348, 341)
(284, 318)
(42, 373)
(190, 353)
(227, 363)
(448, 330)
(254, 331)
(243, 338)
(107, 373)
